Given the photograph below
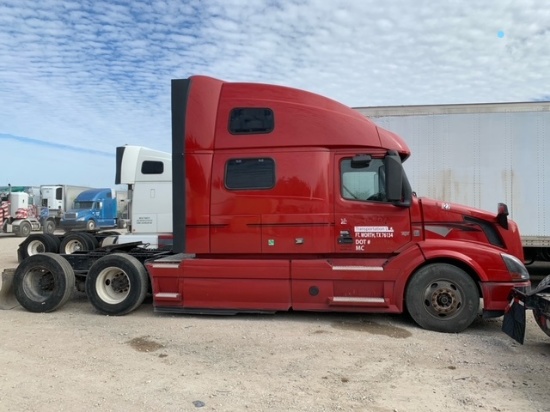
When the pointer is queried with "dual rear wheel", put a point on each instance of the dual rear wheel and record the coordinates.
(78, 242)
(116, 284)
(48, 243)
(39, 243)
(43, 282)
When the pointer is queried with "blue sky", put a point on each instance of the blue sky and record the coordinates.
(78, 78)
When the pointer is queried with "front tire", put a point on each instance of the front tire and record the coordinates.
(91, 225)
(43, 282)
(117, 284)
(443, 298)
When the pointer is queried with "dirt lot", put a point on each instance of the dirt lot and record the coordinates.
(76, 359)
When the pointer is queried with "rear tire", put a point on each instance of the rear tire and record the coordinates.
(90, 240)
(75, 242)
(38, 243)
(55, 242)
(49, 227)
(117, 284)
(443, 298)
(43, 282)
(25, 229)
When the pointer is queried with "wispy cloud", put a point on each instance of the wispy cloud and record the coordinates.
(53, 145)
(32, 162)
(96, 74)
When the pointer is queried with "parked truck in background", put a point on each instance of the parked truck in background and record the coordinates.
(146, 209)
(56, 200)
(479, 155)
(92, 209)
(19, 212)
(147, 173)
(286, 200)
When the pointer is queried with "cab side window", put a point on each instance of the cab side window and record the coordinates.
(250, 174)
(365, 183)
(251, 120)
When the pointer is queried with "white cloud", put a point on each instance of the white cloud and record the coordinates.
(96, 74)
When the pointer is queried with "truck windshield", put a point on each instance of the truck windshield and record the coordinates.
(83, 205)
(366, 183)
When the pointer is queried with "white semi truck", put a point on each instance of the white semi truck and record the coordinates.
(479, 155)
(147, 175)
(56, 200)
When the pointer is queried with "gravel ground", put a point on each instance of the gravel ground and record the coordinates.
(76, 359)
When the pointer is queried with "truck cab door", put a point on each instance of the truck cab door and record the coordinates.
(99, 211)
(366, 223)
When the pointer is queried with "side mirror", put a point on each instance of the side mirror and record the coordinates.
(502, 215)
(394, 177)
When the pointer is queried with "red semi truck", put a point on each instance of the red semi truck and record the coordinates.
(287, 200)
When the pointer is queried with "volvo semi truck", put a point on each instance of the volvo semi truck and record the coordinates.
(287, 200)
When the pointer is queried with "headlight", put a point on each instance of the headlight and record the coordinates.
(517, 269)
(80, 219)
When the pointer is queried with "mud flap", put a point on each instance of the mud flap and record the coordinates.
(7, 294)
(538, 300)
(514, 320)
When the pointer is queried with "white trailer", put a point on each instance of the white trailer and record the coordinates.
(56, 200)
(480, 155)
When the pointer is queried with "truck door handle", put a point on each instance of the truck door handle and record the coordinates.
(345, 238)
